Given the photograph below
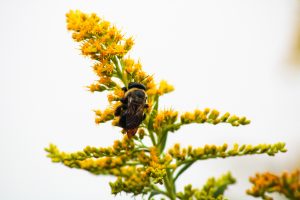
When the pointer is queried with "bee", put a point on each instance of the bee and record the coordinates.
(131, 111)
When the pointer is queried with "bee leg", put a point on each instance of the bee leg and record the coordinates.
(144, 116)
(124, 100)
(122, 121)
(124, 89)
(146, 106)
(118, 110)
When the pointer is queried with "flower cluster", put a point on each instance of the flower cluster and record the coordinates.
(140, 168)
(107, 46)
(168, 119)
(185, 157)
(287, 184)
(165, 120)
(212, 116)
(120, 151)
(135, 167)
(212, 151)
(101, 41)
(213, 189)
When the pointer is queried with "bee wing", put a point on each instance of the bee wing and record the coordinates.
(134, 116)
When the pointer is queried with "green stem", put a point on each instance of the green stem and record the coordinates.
(159, 191)
(172, 181)
(151, 118)
(168, 188)
(152, 138)
(185, 167)
(117, 63)
(162, 141)
(169, 184)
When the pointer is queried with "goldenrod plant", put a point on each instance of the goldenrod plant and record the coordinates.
(139, 161)
(287, 184)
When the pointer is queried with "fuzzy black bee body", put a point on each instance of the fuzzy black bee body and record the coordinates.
(131, 111)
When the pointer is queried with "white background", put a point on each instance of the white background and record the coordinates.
(230, 55)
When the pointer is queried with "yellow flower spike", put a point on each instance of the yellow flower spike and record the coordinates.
(213, 151)
(212, 117)
(82, 24)
(137, 166)
(96, 87)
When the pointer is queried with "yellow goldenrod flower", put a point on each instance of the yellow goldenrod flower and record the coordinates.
(287, 184)
(213, 189)
(164, 88)
(164, 120)
(128, 44)
(212, 116)
(138, 166)
(96, 87)
(106, 115)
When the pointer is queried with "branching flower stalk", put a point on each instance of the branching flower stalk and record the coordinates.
(140, 163)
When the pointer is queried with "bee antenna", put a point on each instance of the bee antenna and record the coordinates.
(147, 77)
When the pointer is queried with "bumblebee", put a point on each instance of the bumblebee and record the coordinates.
(131, 111)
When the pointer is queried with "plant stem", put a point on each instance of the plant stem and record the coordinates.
(162, 141)
(152, 137)
(117, 63)
(185, 167)
(159, 191)
(151, 118)
(170, 186)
